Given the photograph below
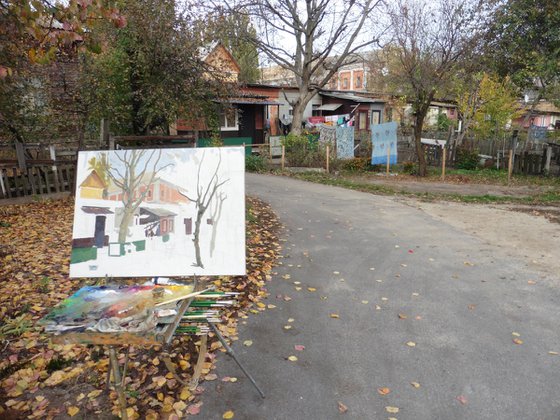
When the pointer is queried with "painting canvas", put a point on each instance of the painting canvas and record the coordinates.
(384, 136)
(159, 212)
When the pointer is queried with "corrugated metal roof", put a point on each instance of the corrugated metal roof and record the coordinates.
(352, 97)
(96, 210)
(328, 107)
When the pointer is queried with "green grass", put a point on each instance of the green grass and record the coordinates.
(326, 179)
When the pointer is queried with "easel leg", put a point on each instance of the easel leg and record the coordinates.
(230, 353)
(114, 362)
(200, 362)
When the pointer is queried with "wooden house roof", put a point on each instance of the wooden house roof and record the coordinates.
(93, 180)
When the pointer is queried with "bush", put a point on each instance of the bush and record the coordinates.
(356, 164)
(255, 163)
(301, 151)
(410, 168)
(467, 159)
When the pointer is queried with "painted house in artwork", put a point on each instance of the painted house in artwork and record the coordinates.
(158, 191)
(93, 186)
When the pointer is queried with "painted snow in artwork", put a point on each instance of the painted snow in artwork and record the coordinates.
(159, 212)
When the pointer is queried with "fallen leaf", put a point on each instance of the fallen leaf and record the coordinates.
(411, 344)
(287, 327)
(94, 394)
(515, 334)
(248, 343)
(228, 415)
(312, 289)
(297, 282)
(470, 264)
(462, 399)
(334, 316)
(416, 294)
(471, 306)
(384, 299)
(372, 268)
(377, 307)
(271, 306)
(211, 377)
(402, 316)
(517, 341)
(553, 353)
(291, 319)
(336, 272)
(193, 409)
(392, 410)
(383, 391)
(365, 302)
(72, 410)
(342, 408)
(531, 282)
(297, 288)
(411, 251)
(287, 298)
(415, 384)
(299, 347)
(292, 358)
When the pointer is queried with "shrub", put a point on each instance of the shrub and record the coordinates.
(255, 163)
(467, 159)
(301, 151)
(410, 168)
(356, 164)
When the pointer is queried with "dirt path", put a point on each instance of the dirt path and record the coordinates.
(455, 188)
(519, 232)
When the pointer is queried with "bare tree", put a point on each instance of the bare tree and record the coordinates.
(203, 199)
(432, 41)
(310, 39)
(215, 215)
(131, 174)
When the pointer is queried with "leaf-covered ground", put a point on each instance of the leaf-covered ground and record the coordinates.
(42, 380)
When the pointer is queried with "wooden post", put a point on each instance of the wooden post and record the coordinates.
(283, 156)
(104, 133)
(388, 158)
(444, 151)
(510, 165)
(548, 158)
(328, 157)
(114, 363)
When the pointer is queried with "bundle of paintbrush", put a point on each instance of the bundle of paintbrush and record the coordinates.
(205, 309)
(192, 330)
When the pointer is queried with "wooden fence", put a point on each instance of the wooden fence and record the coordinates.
(38, 178)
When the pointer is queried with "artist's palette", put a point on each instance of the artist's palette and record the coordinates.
(92, 303)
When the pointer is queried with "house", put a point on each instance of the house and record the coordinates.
(545, 115)
(93, 186)
(158, 191)
(245, 117)
(367, 111)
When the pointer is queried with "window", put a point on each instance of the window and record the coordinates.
(291, 111)
(451, 112)
(362, 122)
(345, 84)
(375, 117)
(229, 119)
(315, 112)
(358, 81)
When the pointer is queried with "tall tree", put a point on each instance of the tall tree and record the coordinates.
(524, 44)
(153, 73)
(311, 39)
(432, 40)
(234, 31)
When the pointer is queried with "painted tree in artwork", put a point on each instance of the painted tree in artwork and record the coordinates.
(204, 197)
(132, 170)
(215, 215)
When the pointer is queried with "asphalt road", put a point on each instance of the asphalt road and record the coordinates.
(371, 258)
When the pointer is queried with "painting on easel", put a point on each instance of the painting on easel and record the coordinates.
(159, 212)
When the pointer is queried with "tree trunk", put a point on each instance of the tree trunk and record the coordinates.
(128, 213)
(196, 238)
(297, 118)
(422, 166)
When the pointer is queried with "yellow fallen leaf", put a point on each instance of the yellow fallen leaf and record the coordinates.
(415, 384)
(248, 343)
(342, 408)
(297, 288)
(365, 302)
(155, 361)
(377, 307)
(287, 327)
(228, 415)
(94, 394)
(335, 316)
(553, 353)
(311, 289)
(384, 299)
(185, 393)
(383, 391)
(297, 282)
(517, 341)
(516, 334)
(80, 397)
(292, 358)
(131, 413)
(402, 316)
(261, 305)
(411, 344)
(72, 410)
(392, 410)
(271, 306)
(291, 319)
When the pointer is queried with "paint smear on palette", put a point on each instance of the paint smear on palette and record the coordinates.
(92, 303)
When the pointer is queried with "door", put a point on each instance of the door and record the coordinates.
(99, 235)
